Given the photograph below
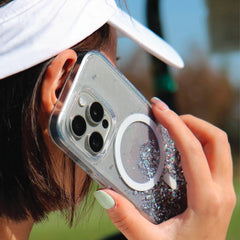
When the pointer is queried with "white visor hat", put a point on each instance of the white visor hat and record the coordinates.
(32, 31)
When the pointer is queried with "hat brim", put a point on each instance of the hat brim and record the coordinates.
(145, 38)
(32, 31)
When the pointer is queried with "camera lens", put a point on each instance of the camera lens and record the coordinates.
(96, 142)
(79, 125)
(105, 123)
(96, 112)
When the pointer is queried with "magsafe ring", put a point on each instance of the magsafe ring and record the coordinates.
(145, 148)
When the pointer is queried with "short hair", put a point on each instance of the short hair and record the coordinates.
(28, 186)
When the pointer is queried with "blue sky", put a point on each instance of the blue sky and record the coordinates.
(184, 24)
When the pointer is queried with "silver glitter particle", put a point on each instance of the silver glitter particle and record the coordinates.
(149, 159)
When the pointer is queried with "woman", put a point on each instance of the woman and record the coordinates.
(39, 42)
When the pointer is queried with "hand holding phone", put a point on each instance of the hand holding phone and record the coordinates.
(207, 164)
(107, 127)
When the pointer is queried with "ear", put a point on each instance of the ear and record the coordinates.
(54, 79)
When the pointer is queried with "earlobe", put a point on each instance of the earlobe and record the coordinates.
(54, 79)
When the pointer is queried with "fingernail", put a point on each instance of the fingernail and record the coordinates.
(104, 199)
(160, 104)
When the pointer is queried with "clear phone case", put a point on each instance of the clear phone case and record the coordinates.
(107, 127)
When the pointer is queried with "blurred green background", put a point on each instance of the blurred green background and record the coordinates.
(206, 34)
(97, 226)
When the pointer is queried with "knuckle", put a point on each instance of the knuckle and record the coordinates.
(231, 199)
(213, 204)
(216, 203)
(222, 135)
(234, 199)
(194, 146)
(219, 137)
(121, 222)
(122, 226)
(215, 209)
(187, 116)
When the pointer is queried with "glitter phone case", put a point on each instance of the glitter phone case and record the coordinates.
(107, 127)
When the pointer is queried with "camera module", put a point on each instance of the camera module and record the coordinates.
(78, 125)
(95, 142)
(96, 112)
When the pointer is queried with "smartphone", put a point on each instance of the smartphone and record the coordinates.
(106, 126)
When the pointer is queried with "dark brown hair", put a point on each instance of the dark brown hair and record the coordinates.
(4, 2)
(28, 186)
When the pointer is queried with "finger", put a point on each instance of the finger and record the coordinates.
(194, 163)
(124, 215)
(216, 147)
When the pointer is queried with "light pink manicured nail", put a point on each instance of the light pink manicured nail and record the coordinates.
(160, 104)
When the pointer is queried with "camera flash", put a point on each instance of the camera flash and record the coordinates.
(82, 101)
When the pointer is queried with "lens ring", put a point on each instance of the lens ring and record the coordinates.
(96, 112)
(96, 142)
(78, 125)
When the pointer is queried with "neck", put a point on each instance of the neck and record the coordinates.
(11, 230)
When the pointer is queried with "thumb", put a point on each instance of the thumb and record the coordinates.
(124, 215)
